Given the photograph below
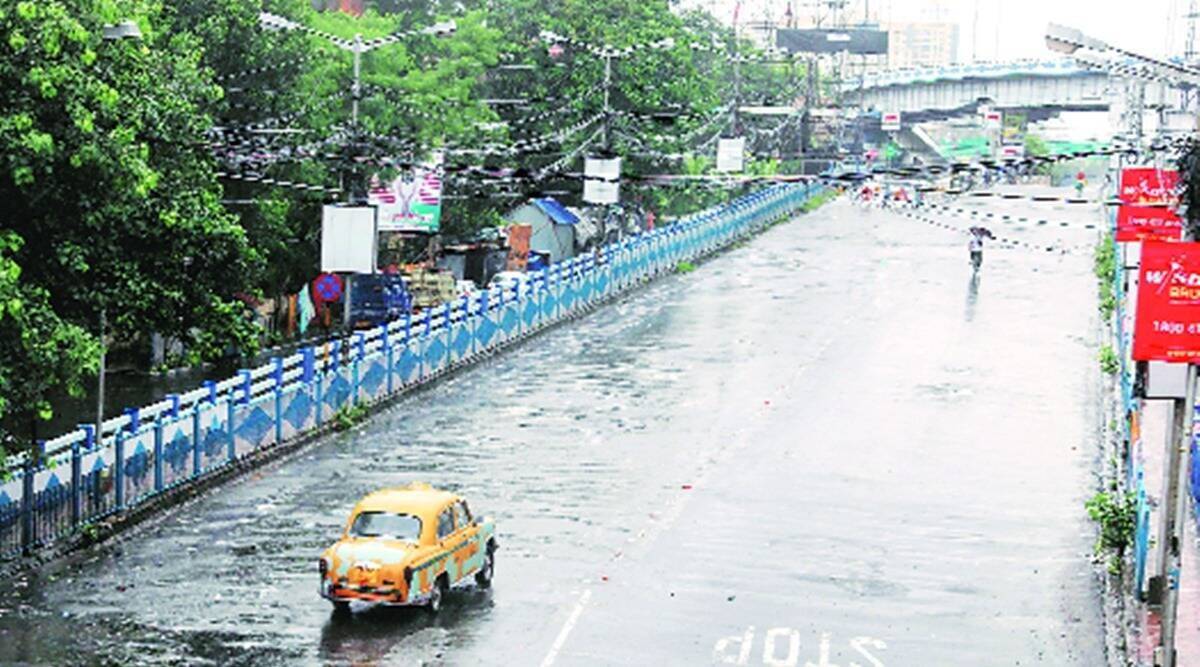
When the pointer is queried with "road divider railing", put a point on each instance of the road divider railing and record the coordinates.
(87, 476)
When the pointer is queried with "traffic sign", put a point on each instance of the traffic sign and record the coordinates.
(327, 288)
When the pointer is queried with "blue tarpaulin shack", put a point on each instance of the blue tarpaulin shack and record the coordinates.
(553, 227)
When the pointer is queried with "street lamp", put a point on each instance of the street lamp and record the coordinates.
(126, 29)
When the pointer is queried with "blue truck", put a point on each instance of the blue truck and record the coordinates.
(378, 298)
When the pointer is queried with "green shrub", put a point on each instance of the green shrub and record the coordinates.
(1117, 515)
(348, 416)
(1109, 363)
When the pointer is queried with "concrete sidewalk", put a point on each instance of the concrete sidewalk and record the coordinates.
(1187, 634)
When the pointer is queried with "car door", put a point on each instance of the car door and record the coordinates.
(448, 540)
(470, 551)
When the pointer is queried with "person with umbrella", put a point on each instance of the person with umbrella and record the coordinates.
(975, 245)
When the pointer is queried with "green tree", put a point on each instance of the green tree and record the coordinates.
(107, 178)
(40, 354)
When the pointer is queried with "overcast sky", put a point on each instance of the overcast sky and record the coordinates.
(1012, 29)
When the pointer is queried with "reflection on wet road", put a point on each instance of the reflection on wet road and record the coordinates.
(805, 452)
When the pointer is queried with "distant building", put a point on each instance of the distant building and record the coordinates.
(926, 44)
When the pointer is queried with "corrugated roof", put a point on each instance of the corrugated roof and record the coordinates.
(556, 211)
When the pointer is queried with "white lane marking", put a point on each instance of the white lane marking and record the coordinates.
(676, 506)
(565, 632)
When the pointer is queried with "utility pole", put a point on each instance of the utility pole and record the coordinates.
(1175, 498)
(607, 104)
(354, 182)
(100, 388)
(737, 82)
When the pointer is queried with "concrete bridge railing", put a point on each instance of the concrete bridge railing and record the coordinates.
(85, 477)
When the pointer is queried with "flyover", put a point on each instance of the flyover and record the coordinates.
(1043, 87)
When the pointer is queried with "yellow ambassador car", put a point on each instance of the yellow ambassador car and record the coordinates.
(408, 546)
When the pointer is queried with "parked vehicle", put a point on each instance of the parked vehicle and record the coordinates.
(408, 546)
(378, 298)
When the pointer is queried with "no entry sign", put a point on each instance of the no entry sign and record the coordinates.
(1167, 326)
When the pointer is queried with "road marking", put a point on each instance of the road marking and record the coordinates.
(718, 455)
(566, 629)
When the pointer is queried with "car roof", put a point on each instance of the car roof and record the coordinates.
(418, 499)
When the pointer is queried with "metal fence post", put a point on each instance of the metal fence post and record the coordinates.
(319, 391)
(247, 386)
(231, 410)
(158, 454)
(196, 439)
(27, 536)
(390, 356)
(119, 466)
(360, 351)
(278, 373)
(77, 480)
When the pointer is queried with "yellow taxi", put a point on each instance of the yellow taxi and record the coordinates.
(408, 546)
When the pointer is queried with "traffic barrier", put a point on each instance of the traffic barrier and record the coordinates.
(84, 476)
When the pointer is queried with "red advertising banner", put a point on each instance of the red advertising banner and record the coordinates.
(1138, 218)
(1148, 223)
(1167, 325)
(1148, 185)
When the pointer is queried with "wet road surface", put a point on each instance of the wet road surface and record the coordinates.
(831, 446)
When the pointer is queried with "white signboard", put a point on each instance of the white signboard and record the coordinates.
(596, 191)
(890, 121)
(731, 155)
(602, 180)
(348, 239)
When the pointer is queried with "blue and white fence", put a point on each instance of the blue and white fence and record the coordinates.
(86, 476)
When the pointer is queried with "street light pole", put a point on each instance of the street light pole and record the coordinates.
(116, 32)
(356, 87)
(353, 184)
(607, 105)
(100, 388)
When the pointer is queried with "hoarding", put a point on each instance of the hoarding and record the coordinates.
(1149, 185)
(890, 121)
(348, 239)
(1142, 223)
(816, 40)
(1149, 196)
(1167, 324)
(411, 202)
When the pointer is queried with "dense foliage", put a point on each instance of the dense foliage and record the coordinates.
(112, 152)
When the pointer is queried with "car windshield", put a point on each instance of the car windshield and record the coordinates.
(384, 524)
